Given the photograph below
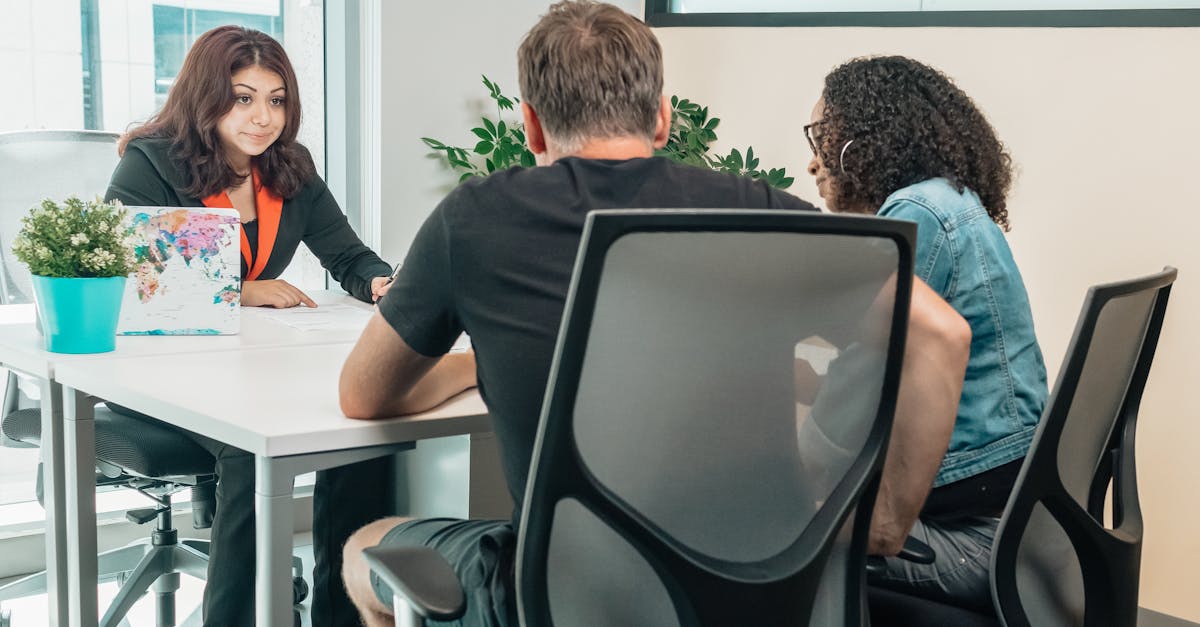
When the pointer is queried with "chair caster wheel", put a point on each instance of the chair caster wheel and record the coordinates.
(299, 591)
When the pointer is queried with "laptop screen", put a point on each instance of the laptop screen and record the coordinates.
(187, 272)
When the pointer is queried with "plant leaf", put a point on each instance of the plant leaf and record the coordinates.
(736, 158)
(691, 134)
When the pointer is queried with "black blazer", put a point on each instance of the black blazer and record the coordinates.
(146, 176)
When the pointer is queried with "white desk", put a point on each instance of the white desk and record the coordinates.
(278, 403)
(23, 349)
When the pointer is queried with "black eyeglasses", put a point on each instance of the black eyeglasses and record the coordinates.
(809, 136)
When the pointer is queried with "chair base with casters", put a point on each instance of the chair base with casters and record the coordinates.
(157, 462)
(149, 564)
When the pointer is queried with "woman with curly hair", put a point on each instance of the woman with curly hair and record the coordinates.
(894, 137)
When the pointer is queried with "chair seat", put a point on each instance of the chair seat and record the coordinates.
(895, 609)
(143, 447)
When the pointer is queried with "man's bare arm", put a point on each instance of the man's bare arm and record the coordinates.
(385, 377)
(935, 362)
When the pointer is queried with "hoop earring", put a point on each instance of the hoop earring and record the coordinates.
(842, 157)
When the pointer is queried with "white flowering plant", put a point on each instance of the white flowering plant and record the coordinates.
(75, 239)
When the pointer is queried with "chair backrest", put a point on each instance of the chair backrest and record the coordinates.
(680, 476)
(45, 164)
(1054, 561)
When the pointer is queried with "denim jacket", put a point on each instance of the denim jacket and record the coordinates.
(964, 257)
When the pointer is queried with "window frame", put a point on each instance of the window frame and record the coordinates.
(659, 15)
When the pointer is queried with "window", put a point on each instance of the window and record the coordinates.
(923, 12)
(176, 27)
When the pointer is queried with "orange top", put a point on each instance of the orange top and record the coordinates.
(269, 208)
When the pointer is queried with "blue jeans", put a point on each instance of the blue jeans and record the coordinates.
(959, 574)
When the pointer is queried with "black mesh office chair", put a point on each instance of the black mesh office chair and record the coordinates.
(1055, 562)
(680, 477)
(140, 454)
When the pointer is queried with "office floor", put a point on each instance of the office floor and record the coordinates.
(31, 611)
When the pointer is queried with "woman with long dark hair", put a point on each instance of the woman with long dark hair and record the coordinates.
(894, 137)
(226, 137)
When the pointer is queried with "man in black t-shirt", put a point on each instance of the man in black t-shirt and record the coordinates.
(494, 259)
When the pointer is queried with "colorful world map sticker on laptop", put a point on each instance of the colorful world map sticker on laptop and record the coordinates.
(187, 276)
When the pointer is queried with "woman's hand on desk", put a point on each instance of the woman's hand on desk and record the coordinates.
(273, 293)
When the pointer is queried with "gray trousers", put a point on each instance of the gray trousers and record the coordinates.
(959, 575)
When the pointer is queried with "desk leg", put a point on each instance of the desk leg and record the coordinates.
(56, 502)
(273, 539)
(274, 478)
(79, 462)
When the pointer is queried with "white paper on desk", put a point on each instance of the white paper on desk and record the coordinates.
(331, 317)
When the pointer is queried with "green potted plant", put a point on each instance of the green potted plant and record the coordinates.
(79, 255)
(502, 144)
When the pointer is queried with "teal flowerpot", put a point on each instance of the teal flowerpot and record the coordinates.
(79, 315)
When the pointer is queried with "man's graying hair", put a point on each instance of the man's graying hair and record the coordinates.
(591, 70)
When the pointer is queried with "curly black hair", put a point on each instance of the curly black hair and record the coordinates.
(908, 123)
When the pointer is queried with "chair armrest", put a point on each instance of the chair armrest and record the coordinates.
(420, 576)
(916, 551)
(913, 551)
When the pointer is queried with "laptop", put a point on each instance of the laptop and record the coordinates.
(187, 272)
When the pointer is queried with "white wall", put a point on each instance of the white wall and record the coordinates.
(1103, 125)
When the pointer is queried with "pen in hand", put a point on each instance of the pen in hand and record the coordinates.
(377, 291)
